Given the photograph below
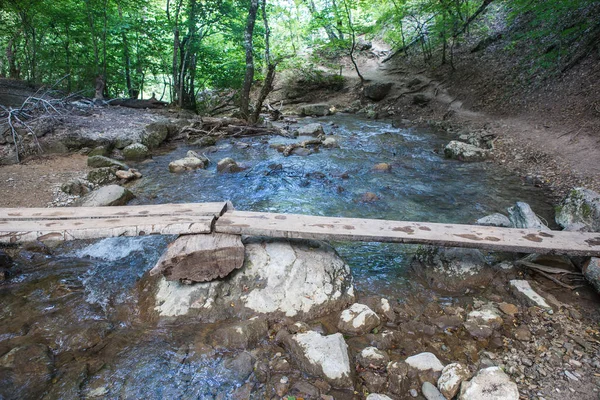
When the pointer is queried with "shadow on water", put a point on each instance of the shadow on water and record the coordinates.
(82, 300)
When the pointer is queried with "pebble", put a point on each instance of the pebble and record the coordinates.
(571, 377)
(413, 392)
(431, 392)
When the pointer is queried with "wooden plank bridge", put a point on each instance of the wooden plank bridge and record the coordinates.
(18, 225)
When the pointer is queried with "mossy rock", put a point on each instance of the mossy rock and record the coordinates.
(135, 152)
(102, 162)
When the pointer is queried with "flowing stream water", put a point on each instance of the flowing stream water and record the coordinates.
(77, 311)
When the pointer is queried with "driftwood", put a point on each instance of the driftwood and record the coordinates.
(547, 272)
(228, 127)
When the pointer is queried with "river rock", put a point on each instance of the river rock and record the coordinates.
(422, 99)
(104, 162)
(398, 377)
(580, 210)
(424, 366)
(481, 323)
(190, 162)
(378, 91)
(522, 290)
(154, 134)
(431, 392)
(314, 129)
(452, 269)
(591, 271)
(377, 396)
(465, 152)
(228, 165)
(522, 216)
(102, 176)
(452, 377)
(77, 187)
(128, 175)
(331, 142)
(136, 152)
(359, 319)
(374, 381)
(496, 219)
(112, 195)
(26, 370)
(99, 151)
(201, 258)
(315, 110)
(322, 356)
(293, 278)
(489, 384)
(241, 335)
(371, 357)
(382, 167)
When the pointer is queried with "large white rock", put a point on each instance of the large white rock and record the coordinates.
(300, 279)
(452, 377)
(111, 195)
(358, 320)
(322, 356)
(522, 289)
(489, 384)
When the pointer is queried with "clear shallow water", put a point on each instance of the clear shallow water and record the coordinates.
(421, 186)
(83, 299)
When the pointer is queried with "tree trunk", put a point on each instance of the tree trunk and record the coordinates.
(353, 35)
(126, 56)
(249, 76)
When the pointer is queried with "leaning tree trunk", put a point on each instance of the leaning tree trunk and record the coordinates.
(249, 76)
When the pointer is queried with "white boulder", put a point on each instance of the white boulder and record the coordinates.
(358, 320)
(489, 384)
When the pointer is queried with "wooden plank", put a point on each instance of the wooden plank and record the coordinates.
(449, 235)
(214, 209)
(86, 228)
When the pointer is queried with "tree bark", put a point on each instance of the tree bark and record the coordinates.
(126, 56)
(249, 76)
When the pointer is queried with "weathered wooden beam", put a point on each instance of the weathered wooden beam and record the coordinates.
(369, 230)
(214, 209)
(88, 228)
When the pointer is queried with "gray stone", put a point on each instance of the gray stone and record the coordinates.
(304, 390)
(452, 269)
(314, 129)
(371, 357)
(315, 110)
(425, 367)
(322, 356)
(77, 187)
(239, 367)
(522, 216)
(591, 271)
(465, 152)
(128, 175)
(189, 163)
(242, 335)
(112, 195)
(136, 152)
(359, 319)
(580, 210)
(374, 381)
(331, 142)
(452, 377)
(102, 176)
(155, 134)
(489, 384)
(522, 290)
(228, 165)
(267, 283)
(378, 91)
(26, 370)
(103, 162)
(496, 219)
(431, 392)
